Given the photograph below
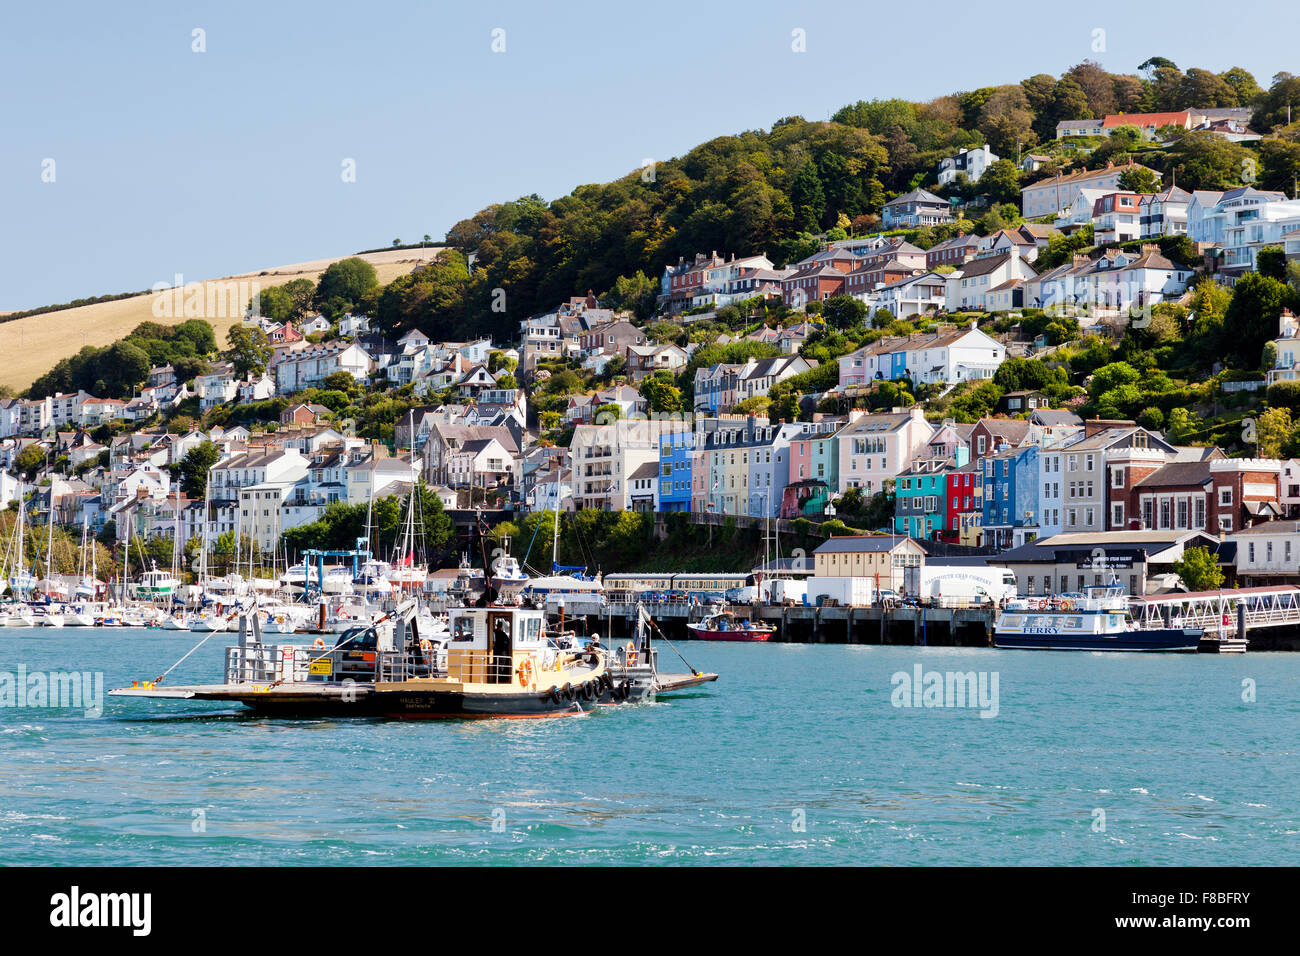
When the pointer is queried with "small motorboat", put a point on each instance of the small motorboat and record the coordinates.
(723, 626)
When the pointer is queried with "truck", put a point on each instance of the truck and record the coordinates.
(770, 591)
(957, 583)
(842, 592)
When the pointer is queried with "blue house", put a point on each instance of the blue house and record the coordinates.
(919, 496)
(675, 450)
(1011, 496)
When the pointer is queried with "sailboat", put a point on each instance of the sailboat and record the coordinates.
(22, 581)
(573, 592)
(207, 620)
(406, 573)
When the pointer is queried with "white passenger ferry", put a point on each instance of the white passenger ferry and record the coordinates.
(1094, 620)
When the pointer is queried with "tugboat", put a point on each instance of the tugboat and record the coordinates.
(723, 626)
(1094, 620)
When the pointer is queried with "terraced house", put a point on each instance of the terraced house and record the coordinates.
(747, 466)
(814, 469)
(874, 449)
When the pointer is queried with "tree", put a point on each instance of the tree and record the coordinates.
(843, 311)
(1271, 261)
(1273, 430)
(249, 350)
(1112, 376)
(1279, 164)
(637, 292)
(345, 281)
(1001, 181)
(273, 303)
(1242, 84)
(30, 460)
(1005, 119)
(195, 466)
(1202, 89)
(1204, 160)
(1279, 105)
(1252, 315)
(1139, 179)
(1198, 570)
(662, 395)
(807, 198)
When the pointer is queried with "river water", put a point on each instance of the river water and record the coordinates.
(800, 754)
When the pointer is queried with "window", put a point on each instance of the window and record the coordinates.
(1117, 478)
(1117, 515)
(1225, 497)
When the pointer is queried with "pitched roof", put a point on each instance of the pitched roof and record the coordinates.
(1177, 473)
(918, 195)
(863, 544)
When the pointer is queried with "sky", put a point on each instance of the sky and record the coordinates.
(128, 157)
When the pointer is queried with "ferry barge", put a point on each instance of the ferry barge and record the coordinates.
(1094, 620)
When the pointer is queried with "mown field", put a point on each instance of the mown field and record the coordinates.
(32, 346)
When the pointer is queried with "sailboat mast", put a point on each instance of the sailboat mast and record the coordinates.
(555, 533)
(49, 544)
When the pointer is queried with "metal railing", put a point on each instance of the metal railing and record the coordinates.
(1216, 612)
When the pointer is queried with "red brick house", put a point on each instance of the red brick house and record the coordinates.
(1219, 495)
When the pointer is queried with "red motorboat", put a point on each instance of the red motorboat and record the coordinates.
(724, 627)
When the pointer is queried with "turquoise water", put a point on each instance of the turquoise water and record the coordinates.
(1185, 771)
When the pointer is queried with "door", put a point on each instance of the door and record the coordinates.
(499, 646)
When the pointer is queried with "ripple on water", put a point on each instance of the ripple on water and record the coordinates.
(796, 756)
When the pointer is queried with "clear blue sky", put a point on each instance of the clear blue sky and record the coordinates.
(208, 164)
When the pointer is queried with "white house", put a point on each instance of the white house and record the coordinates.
(969, 284)
(1165, 213)
(950, 354)
(1116, 280)
(218, 387)
(1286, 362)
(913, 295)
(311, 366)
(972, 162)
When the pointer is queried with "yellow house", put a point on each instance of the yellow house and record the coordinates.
(879, 557)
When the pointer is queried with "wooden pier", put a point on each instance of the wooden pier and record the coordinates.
(1249, 621)
(938, 626)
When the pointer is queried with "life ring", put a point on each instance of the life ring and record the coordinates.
(318, 644)
(526, 672)
(629, 654)
(426, 645)
(1067, 605)
(1225, 620)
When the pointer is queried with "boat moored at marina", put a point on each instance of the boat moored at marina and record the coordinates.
(724, 626)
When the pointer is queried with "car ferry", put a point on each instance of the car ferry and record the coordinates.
(1094, 620)
(493, 661)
